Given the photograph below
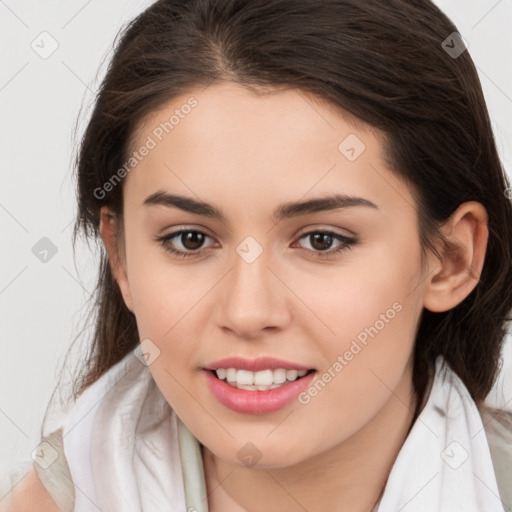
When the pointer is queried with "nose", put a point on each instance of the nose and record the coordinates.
(252, 299)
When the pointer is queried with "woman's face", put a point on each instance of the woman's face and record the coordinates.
(262, 278)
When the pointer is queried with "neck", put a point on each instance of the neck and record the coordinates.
(351, 476)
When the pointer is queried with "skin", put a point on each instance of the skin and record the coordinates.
(29, 495)
(246, 154)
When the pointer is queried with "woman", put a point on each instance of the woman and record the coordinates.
(307, 269)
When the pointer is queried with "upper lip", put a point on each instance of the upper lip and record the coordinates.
(254, 365)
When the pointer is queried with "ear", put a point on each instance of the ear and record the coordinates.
(453, 277)
(117, 260)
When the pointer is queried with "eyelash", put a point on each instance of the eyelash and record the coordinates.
(346, 243)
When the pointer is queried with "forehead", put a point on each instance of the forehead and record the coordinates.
(226, 140)
(228, 110)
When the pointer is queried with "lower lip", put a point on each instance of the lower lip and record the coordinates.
(256, 402)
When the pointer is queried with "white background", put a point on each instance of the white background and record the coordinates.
(41, 304)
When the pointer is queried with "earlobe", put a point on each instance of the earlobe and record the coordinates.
(453, 277)
(117, 265)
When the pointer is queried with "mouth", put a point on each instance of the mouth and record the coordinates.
(260, 392)
(263, 380)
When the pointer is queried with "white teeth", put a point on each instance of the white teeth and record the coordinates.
(256, 388)
(279, 375)
(263, 378)
(261, 381)
(230, 374)
(291, 374)
(245, 377)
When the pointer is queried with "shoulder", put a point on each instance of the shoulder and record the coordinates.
(29, 495)
(37, 487)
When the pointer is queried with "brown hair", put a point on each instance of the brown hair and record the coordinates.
(382, 62)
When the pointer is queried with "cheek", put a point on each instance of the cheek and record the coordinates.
(369, 310)
(373, 289)
(169, 304)
(163, 292)
(373, 310)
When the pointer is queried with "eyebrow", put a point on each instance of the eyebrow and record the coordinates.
(284, 211)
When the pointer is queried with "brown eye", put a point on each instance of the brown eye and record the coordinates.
(183, 243)
(191, 240)
(321, 241)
